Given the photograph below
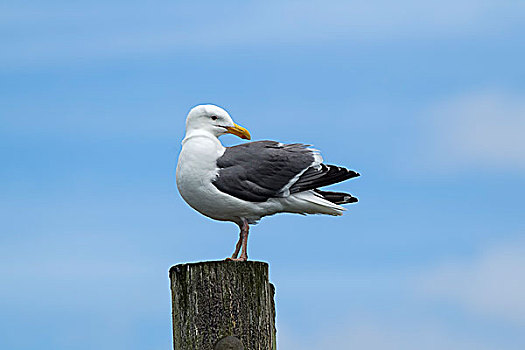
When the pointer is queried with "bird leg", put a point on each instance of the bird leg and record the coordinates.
(237, 246)
(243, 241)
(245, 230)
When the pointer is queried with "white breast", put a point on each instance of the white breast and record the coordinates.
(196, 169)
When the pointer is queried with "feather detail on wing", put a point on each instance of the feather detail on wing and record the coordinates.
(257, 171)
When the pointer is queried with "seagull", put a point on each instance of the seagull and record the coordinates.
(246, 182)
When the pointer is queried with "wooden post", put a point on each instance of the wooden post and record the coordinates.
(221, 304)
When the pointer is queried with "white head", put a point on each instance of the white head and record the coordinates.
(214, 120)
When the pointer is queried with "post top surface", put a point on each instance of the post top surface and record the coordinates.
(227, 263)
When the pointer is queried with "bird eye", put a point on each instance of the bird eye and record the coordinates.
(214, 117)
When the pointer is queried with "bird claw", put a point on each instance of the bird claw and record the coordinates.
(237, 259)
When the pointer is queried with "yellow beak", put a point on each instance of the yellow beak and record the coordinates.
(238, 130)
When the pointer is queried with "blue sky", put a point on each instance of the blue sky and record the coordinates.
(425, 99)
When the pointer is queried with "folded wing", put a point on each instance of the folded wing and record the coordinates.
(257, 171)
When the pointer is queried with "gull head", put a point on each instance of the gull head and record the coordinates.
(215, 120)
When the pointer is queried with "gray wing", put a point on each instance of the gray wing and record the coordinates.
(257, 171)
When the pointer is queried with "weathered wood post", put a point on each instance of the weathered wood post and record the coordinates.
(221, 304)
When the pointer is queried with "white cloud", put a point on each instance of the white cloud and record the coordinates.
(99, 30)
(370, 334)
(483, 130)
(487, 288)
(492, 284)
(81, 270)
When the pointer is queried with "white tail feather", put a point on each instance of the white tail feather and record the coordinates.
(320, 205)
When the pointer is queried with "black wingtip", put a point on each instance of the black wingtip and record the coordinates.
(351, 199)
(337, 197)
